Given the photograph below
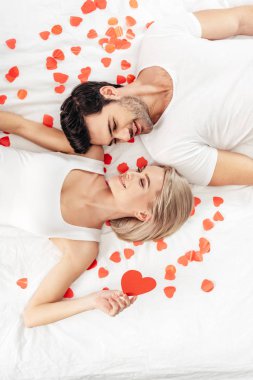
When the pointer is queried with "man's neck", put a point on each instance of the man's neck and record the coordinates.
(155, 88)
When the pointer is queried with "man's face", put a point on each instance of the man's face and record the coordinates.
(119, 121)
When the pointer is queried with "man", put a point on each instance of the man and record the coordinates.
(196, 90)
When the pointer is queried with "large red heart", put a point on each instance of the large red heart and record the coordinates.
(133, 284)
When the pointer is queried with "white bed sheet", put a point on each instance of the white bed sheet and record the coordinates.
(194, 335)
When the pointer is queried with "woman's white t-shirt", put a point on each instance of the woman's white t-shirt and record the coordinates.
(212, 103)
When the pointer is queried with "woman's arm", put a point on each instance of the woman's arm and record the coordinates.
(47, 304)
(49, 138)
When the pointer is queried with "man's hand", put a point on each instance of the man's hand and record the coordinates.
(232, 169)
(218, 24)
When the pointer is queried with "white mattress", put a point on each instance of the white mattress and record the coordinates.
(193, 335)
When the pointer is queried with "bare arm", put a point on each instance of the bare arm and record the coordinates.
(223, 23)
(47, 304)
(49, 138)
(232, 169)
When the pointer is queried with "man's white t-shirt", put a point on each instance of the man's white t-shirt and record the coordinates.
(212, 103)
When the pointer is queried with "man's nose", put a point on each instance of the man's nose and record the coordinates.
(123, 134)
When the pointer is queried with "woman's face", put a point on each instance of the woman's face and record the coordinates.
(133, 191)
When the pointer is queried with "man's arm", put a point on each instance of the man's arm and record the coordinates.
(232, 169)
(217, 24)
(38, 133)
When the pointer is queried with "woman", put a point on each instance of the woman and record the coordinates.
(66, 198)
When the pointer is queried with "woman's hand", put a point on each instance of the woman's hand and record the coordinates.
(111, 302)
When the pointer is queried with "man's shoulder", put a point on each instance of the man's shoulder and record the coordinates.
(155, 76)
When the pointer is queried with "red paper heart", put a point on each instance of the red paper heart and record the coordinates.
(169, 291)
(85, 73)
(160, 245)
(122, 168)
(121, 79)
(5, 141)
(88, 7)
(133, 283)
(48, 120)
(141, 163)
(207, 285)
(69, 293)
(44, 35)
(170, 272)
(93, 265)
(11, 43)
(106, 61)
(60, 77)
(130, 78)
(22, 282)
(136, 243)
(115, 257)
(101, 4)
(130, 21)
(207, 224)
(217, 201)
(59, 89)
(102, 272)
(76, 50)
(183, 260)
(75, 21)
(107, 159)
(218, 217)
(128, 253)
(204, 245)
(56, 29)
(58, 54)
(3, 99)
(92, 34)
(51, 63)
(125, 64)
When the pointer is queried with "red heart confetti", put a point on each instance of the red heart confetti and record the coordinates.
(106, 61)
(102, 272)
(51, 63)
(93, 265)
(48, 120)
(218, 217)
(60, 77)
(11, 43)
(76, 50)
(88, 7)
(133, 283)
(141, 162)
(75, 21)
(169, 291)
(128, 253)
(22, 282)
(115, 257)
(207, 224)
(170, 272)
(122, 168)
(160, 245)
(3, 99)
(107, 159)
(56, 29)
(207, 285)
(217, 201)
(44, 35)
(5, 141)
(58, 54)
(69, 293)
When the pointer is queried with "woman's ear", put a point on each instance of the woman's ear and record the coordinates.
(109, 92)
(144, 216)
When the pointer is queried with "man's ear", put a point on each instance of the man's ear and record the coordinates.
(109, 92)
(144, 216)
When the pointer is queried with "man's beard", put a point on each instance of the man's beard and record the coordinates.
(139, 110)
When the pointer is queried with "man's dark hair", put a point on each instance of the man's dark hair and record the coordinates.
(84, 100)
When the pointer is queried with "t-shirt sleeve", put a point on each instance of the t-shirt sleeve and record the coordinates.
(179, 24)
(196, 162)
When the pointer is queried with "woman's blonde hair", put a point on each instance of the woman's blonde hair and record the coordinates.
(170, 209)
